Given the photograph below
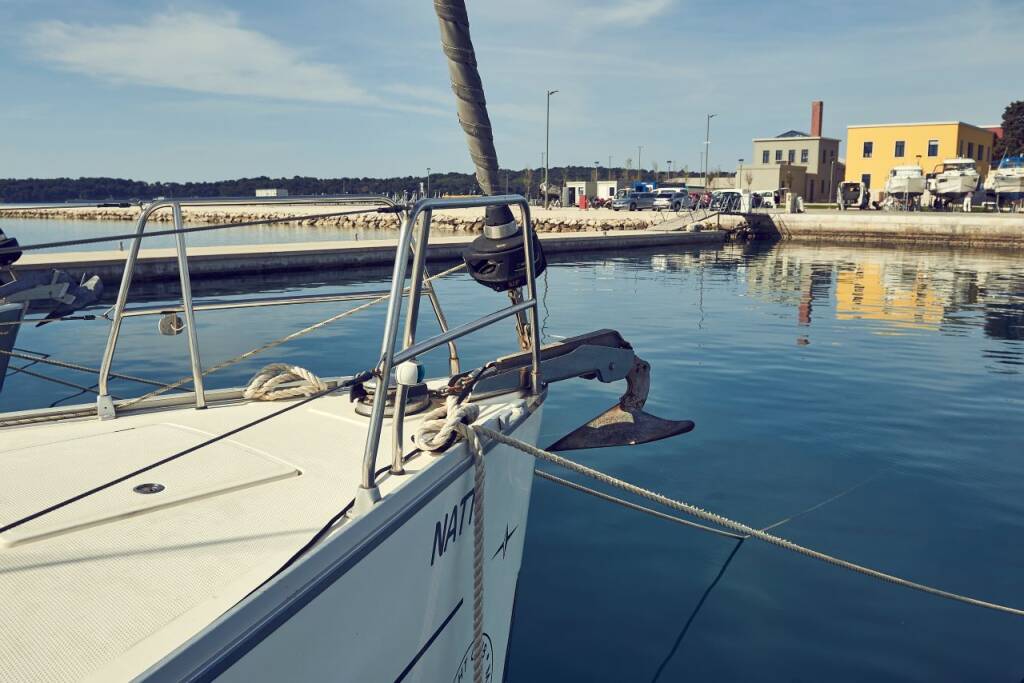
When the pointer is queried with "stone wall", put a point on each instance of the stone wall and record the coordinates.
(458, 221)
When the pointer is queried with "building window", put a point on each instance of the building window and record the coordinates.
(901, 148)
(970, 150)
(933, 148)
(823, 186)
(778, 156)
(981, 152)
(961, 152)
(764, 157)
(869, 147)
(791, 156)
(804, 156)
(822, 156)
(866, 179)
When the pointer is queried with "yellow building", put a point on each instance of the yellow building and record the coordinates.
(872, 151)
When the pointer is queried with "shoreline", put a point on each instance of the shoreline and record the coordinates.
(1004, 231)
(455, 220)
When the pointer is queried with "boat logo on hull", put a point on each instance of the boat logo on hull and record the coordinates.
(465, 671)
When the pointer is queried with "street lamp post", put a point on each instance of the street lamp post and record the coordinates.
(707, 151)
(547, 149)
(740, 176)
(609, 167)
(831, 181)
(669, 162)
(639, 151)
(428, 182)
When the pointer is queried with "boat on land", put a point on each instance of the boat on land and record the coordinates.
(904, 187)
(956, 179)
(907, 180)
(1006, 183)
(303, 527)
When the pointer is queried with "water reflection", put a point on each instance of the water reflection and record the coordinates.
(903, 290)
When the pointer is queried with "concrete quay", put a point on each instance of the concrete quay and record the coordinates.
(239, 260)
(890, 227)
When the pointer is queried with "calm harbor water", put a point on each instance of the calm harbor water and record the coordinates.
(883, 386)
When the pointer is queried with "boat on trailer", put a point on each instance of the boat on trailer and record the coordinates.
(351, 529)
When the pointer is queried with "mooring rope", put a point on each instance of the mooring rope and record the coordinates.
(476, 448)
(633, 506)
(714, 518)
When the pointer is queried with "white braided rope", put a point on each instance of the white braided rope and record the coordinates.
(263, 387)
(705, 515)
(440, 425)
(478, 558)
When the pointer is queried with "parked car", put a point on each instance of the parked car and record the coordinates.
(634, 201)
(726, 201)
(769, 199)
(675, 201)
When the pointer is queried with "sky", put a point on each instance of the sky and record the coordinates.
(204, 90)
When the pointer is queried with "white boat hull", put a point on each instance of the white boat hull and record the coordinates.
(956, 185)
(390, 598)
(1008, 184)
(902, 186)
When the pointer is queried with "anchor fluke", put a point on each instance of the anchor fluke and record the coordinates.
(625, 423)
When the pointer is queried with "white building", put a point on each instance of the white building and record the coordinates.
(272, 192)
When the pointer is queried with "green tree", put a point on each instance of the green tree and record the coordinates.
(1012, 141)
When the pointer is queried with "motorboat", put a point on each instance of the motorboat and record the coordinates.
(956, 179)
(903, 188)
(1006, 182)
(905, 180)
(304, 527)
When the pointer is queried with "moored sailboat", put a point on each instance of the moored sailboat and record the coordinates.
(292, 529)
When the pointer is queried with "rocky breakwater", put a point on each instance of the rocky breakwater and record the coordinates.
(455, 221)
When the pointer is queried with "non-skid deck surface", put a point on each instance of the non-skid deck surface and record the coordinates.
(93, 589)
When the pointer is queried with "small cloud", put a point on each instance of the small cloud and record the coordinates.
(626, 12)
(197, 52)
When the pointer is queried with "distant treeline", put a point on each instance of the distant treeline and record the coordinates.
(525, 181)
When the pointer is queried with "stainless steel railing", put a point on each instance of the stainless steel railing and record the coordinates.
(187, 308)
(422, 211)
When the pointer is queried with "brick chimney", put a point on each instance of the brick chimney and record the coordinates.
(817, 108)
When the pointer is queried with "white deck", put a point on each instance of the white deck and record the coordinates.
(108, 584)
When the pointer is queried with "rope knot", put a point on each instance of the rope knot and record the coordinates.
(442, 425)
(263, 387)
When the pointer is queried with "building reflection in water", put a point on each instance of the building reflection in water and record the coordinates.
(905, 289)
